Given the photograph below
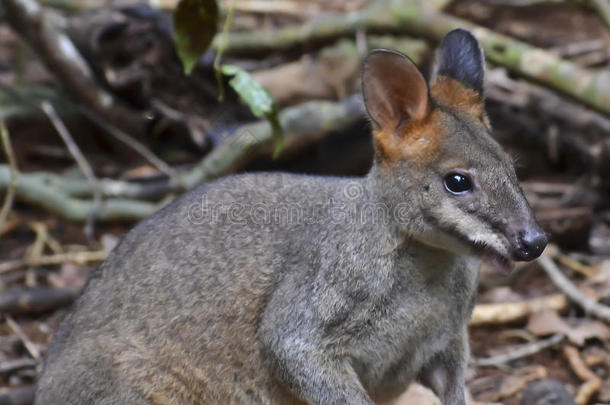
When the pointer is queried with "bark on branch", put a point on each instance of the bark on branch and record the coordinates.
(588, 87)
(42, 29)
(303, 125)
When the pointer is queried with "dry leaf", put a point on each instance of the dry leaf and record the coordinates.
(503, 312)
(497, 387)
(548, 323)
(140, 172)
(514, 383)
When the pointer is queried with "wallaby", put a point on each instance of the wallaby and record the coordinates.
(287, 289)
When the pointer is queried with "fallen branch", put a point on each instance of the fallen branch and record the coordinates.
(41, 29)
(588, 87)
(43, 238)
(130, 142)
(519, 352)
(292, 8)
(552, 196)
(321, 29)
(82, 162)
(589, 305)
(506, 312)
(601, 7)
(592, 383)
(585, 270)
(29, 108)
(585, 86)
(27, 343)
(11, 366)
(74, 257)
(35, 300)
(525, 95)
(303, 125)
(79, 188)
(43, 195)
(10, 192)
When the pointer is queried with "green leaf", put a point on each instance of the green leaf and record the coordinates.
(258, 99)
(278, 134)
(195, 23)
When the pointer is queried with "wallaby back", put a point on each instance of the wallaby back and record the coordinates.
(286, 289)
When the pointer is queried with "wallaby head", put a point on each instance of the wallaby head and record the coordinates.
(434, 152)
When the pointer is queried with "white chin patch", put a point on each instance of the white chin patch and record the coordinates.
(498, 262)
(442, 240)
(494, 252)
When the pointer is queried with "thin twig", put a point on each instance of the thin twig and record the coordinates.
(520, 352)
(73, 257)
(11, 191)
(592, 382)
(29, 345)
(587, 271)
(36, 249)
(109, 128)
(82, 163)
(589, 305)
(40, 228)
(130, 142)
(11, 366)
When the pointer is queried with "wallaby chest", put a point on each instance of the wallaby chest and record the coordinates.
(427, 305)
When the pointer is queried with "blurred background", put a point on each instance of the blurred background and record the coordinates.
(110, 109)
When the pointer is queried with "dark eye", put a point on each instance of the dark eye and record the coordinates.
(457, 183)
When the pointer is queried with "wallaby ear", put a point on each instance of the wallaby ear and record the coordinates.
(394, 89)
(459, 56)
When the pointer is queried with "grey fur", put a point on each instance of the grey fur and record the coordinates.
(286, 289)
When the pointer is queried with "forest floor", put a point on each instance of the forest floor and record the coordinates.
(45, 259)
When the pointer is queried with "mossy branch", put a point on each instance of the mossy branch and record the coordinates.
(588, 87)
(13, 173)
(32, 189)
(303, 125)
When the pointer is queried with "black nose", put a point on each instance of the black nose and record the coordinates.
(530, 245)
